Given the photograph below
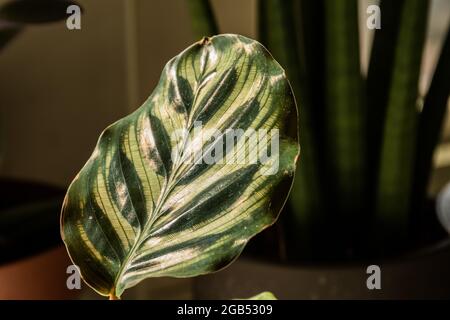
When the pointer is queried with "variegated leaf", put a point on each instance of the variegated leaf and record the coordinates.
(151, 202)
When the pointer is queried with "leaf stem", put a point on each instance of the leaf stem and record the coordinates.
(112, 296)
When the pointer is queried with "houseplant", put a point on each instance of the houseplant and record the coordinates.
(367, 143)
(179, 186)
(29, 209)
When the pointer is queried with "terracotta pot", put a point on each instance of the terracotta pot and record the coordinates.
(423, 275)
(33, 261)
(29, 218)
(40, 277)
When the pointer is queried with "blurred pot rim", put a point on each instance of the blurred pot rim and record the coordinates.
(408, 256)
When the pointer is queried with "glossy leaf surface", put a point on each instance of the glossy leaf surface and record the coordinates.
(150, 202)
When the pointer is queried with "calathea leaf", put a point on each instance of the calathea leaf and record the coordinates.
(178, 187)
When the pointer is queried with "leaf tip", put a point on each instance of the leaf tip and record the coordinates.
(205, 41)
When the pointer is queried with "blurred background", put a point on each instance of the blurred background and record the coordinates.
(60, 88)
(53, 80)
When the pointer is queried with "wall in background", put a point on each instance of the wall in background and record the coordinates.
(164, 30)
(59, 89)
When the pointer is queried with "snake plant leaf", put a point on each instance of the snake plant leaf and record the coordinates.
(396, 169)
(345, 109)
(431, 122)
(178, 187)
(203, 20)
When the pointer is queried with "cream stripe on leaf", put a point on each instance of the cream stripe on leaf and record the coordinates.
(149, 203)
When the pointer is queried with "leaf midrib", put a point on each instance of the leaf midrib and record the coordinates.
(164, 194)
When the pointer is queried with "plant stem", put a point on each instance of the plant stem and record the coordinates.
(112, 296)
